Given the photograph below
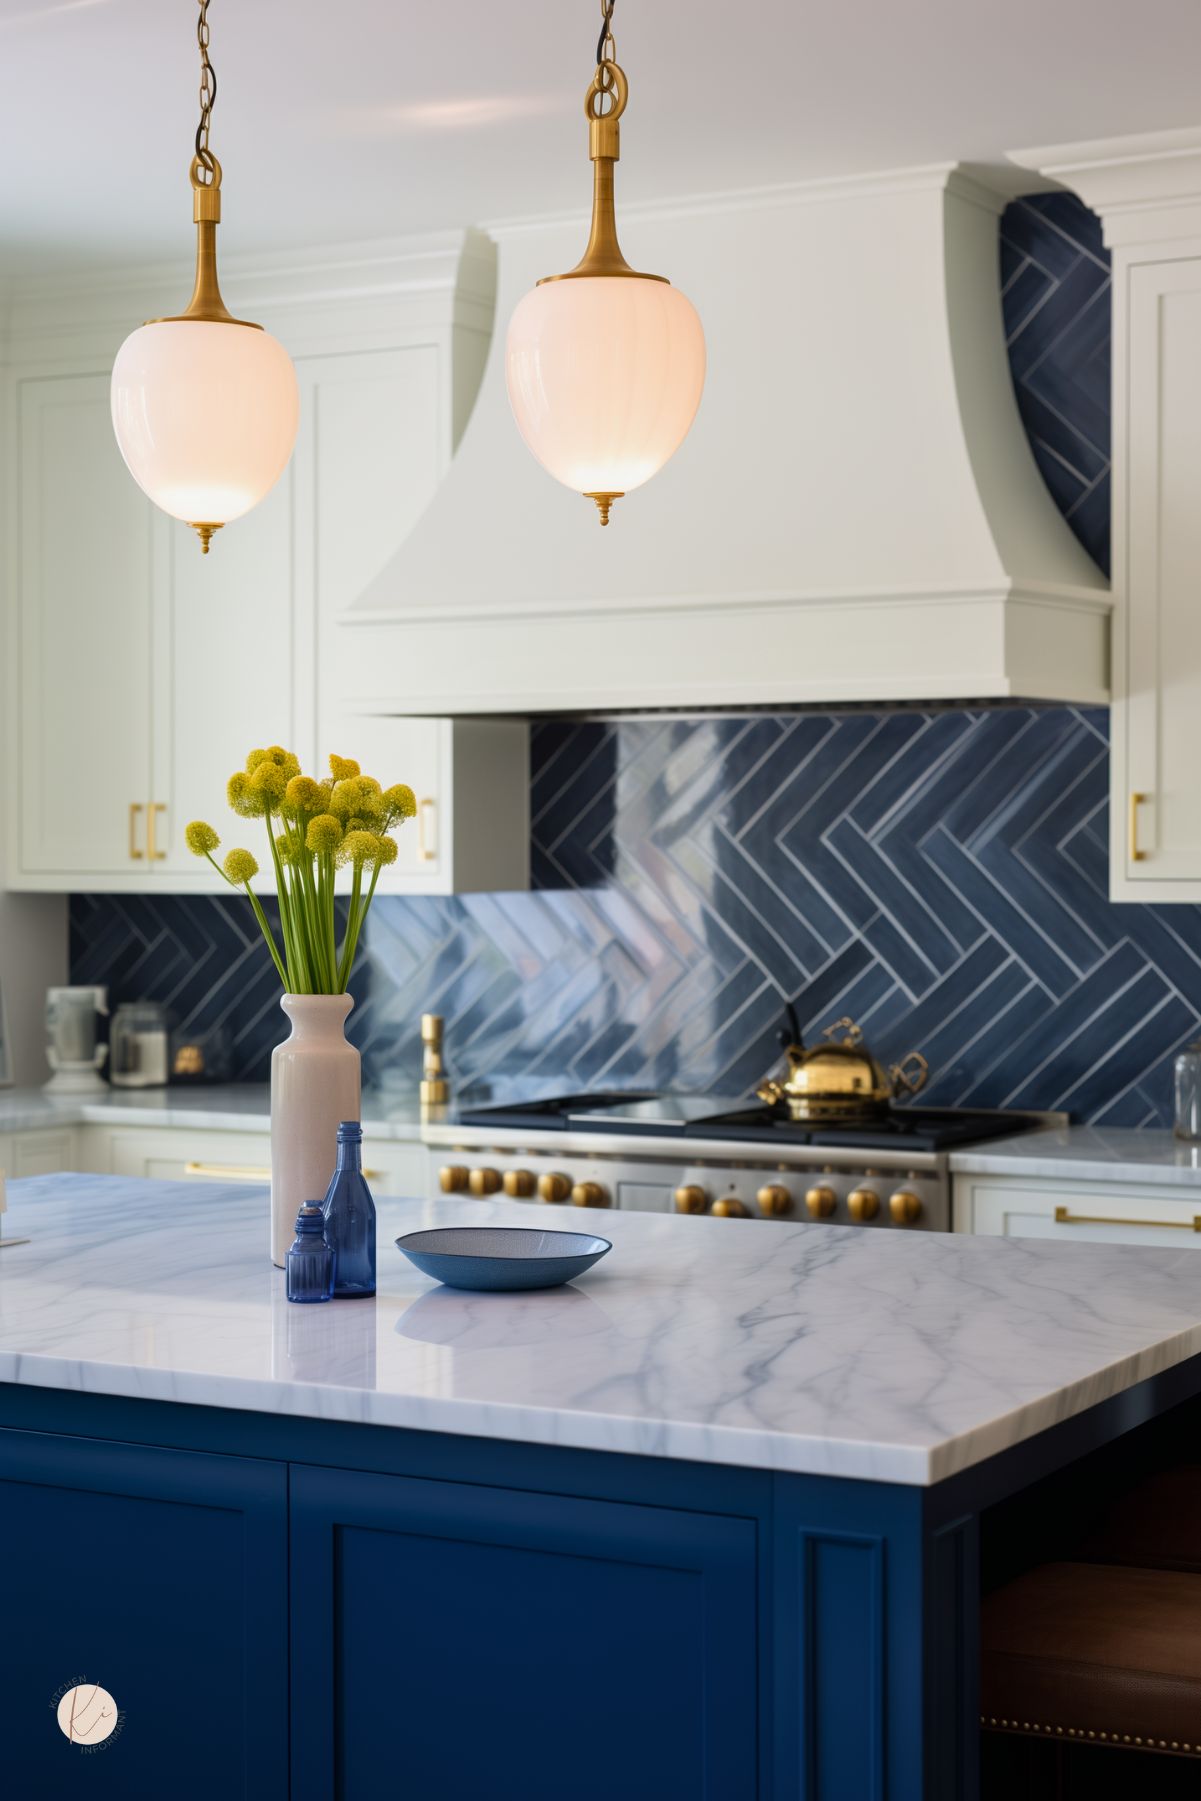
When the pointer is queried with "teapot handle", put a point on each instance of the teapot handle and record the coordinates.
(854, 1033)
(914, 1082)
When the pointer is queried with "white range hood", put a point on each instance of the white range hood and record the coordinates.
(855, 516)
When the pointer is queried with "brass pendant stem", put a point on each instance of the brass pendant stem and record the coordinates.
(206, 303)
(603, 253)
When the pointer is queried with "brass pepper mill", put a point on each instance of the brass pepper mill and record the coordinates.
(435, 1088)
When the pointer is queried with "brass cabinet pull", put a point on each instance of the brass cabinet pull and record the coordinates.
(155, 856)
(424, 853)
(1136, 800)
(1064, 1218)
(227, 1172)
(135, 807)
(236, 1172)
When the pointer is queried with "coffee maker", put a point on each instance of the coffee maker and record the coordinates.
(71, 1048)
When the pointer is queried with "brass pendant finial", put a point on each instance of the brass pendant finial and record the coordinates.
(205, 533)
(604, 502)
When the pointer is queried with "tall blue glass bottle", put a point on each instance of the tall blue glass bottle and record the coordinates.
(350, 1218)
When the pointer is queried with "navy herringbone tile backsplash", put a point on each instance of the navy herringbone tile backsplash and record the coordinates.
(941, 876)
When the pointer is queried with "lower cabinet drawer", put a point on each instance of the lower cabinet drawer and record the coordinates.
(1074, 1211)
(182, 1153)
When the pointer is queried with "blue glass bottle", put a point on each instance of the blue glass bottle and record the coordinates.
(309, 1265)
(350, 1217)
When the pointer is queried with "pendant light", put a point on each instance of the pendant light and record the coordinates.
(604, 364)
(205, 406)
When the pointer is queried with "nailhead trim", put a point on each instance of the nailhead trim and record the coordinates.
(1081, 1732)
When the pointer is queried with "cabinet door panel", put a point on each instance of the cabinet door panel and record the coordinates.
(1162, 618)
(85, 602)
(225, 656)
(160, 1576)
(1077, 1213)
(463, 1642)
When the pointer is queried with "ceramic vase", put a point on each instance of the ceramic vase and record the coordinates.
(315, 1083)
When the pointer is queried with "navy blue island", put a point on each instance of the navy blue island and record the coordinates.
(703, 1527)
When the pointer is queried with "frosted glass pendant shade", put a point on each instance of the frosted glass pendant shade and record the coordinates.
(605, 376)
(205, 414)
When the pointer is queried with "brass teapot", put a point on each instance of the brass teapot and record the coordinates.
(840, 1079)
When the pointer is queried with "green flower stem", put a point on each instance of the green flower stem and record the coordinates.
(264, 927)
(294, 973)
(348, 943)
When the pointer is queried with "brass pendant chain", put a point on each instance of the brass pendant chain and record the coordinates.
(606, 49)
(208, 97)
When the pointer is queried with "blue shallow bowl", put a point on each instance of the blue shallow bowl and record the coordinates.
(502, 1256)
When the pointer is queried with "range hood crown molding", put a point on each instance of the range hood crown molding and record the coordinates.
(856, 514)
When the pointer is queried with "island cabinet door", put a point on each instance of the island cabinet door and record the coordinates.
(463, 1643)
(143, 1623)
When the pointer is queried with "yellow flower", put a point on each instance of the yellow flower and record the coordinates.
(270, 781)
(246, 801)
(240, 867)
(200, 838)
(304, 795)
(274, 753)
(359, 847)
(343, 768)
(324, 835)
(400, 802)
(388, 852)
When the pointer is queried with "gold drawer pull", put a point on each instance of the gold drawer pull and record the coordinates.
(135, 807)
(227, 1172)
(425, 809)
(1064, 1218)
(236, 1172)
(153, 810)
(1136, 801)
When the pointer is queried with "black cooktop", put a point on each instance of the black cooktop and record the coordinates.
(696, 1116)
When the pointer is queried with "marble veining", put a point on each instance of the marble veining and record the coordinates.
(1148, 1158)
(780, 1346)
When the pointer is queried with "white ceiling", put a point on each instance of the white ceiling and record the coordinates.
(374, 118)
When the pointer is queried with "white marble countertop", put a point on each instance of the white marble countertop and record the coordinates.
(1087, 1154)
(230, 1107)
(882, 1355)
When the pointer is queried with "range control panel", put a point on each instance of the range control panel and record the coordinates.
(865, 1195)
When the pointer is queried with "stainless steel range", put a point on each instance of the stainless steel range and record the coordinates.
(665, 1153)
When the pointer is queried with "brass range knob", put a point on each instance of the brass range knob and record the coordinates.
(554, 1188)
(905, 1206)
(589, 1194)
(691, 1199)
(863, 1203)
(820, 1201)
(452, 1178)
(484, 1181)
(519, 1184)
(730, 1207)
(774, 1200)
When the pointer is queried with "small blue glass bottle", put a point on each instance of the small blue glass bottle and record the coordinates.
(350, 1217)
(309, 1264)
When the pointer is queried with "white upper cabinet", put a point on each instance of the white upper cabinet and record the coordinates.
(1148, 193)
(84, 575)
(147, 671)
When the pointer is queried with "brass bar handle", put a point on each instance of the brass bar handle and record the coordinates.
(1064, 1218)
(155, 856)
(236, 1172)
(135, 807)
(425, 809)
(1136, 801)
(227, 1172)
